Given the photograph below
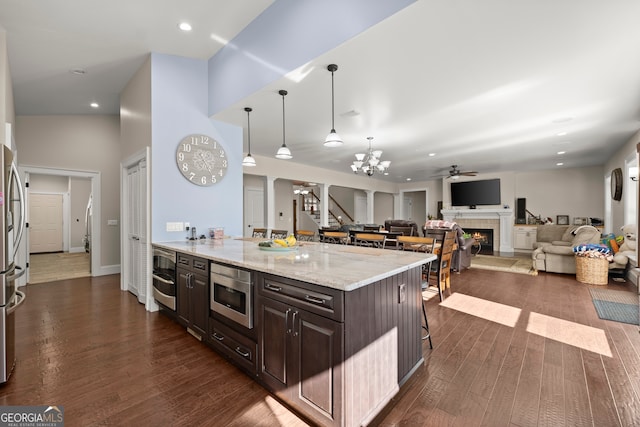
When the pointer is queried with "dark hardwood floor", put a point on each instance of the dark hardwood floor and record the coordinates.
(544, 358)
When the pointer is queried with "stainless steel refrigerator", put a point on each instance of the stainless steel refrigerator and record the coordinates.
(11, 229)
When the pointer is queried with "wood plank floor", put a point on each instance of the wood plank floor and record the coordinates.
(49, 267)
(544, 358)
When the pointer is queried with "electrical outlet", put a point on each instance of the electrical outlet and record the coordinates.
(186, 226)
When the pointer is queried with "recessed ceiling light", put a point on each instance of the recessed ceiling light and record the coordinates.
(432, 154)
(78, 71)
(408, 179)
(559, 164)
(94, 105)
(561, 134)
(184, 26)
(561, 152)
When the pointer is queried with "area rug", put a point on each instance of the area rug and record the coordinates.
(619, 306)
(508, 264)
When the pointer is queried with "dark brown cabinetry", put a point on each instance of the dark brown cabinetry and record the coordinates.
(193, 294)
(301, 352)
(236, 346)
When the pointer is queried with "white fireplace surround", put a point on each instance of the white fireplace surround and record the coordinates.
(505, 216)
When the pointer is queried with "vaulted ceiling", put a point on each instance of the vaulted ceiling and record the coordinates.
(489, 86)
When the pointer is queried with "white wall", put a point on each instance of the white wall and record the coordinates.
(617, 161)
(88, 143)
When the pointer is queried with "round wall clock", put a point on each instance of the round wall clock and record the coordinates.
(616, 184)
(201, 159)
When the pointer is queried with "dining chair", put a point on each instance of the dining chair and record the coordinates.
(443, 270)
(305, 235)
(370, 239)
(279, 234)
(406, 231)
(259, 232)
(340, 237)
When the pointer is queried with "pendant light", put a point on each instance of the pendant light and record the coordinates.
(283, 152)
(333, 139)
(248, 161)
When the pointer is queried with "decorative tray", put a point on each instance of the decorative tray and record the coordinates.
(278, 248)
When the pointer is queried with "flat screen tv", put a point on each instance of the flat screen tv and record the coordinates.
(471, 193)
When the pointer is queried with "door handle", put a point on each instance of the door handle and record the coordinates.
(21, 297)
(295, 324)
(218, 337)
(272, 287)
(242, 353)
(286, 320)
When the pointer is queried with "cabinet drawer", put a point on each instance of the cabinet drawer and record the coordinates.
(195, 264)
(326, 302)
(240, 349)
(184, 261)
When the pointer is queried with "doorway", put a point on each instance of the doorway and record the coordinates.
(74, 188)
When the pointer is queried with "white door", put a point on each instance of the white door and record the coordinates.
(136, 230)
(45, 223)
(253, 210)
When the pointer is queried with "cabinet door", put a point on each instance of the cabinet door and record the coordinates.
(272, 335)
(182, 297)
(316, 365)
(200, 303)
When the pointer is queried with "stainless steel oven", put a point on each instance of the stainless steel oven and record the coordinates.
(164, 277)
(232, 294)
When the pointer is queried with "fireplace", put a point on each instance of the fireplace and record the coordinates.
(483, 238)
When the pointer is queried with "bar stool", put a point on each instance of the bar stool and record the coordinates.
(340, 237)
(305, 235)
(279, 234)
(370, 239)
(259, 232)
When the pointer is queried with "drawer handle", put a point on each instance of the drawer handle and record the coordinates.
(272, 287)
(218, 337)
(242, 353)
(314, 299)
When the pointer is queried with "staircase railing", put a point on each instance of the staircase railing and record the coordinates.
(311, 205)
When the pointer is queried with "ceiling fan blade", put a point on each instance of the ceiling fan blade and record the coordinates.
(468, 173)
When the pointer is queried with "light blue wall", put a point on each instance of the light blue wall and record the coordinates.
(287, 35)
(179, 108)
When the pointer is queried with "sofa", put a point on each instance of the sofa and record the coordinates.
(553, 249)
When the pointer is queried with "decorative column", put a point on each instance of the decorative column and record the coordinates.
(270, 189)
(324, 204)
(370, 204)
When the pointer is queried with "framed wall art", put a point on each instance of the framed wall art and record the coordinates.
(562, 219)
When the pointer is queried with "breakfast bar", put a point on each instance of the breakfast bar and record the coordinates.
(332, 330)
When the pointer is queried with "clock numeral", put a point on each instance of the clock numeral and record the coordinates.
(185, 167)
(191, 176)
(203, 180)
(186, 148)
(213, 179)
(224, 163)
(221, 173)
(222, 154)
(181, 156)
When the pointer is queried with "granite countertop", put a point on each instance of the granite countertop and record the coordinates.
(335, 266)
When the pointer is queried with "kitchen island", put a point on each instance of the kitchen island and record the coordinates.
(336, 329)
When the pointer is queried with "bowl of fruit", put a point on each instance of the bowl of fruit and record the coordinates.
(279, 245)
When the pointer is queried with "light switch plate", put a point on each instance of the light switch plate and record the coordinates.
(112, 222)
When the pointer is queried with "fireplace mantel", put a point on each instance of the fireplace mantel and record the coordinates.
(505, 216)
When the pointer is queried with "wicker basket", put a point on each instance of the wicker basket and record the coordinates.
(594, 271)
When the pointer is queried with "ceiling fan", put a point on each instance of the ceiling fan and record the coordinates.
(455, 173)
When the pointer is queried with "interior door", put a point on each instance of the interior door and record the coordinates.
(253, 210)
(136, 230)
(45, 223)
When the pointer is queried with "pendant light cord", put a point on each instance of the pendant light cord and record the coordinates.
(283, 93)
(333, 113)
(248, 110)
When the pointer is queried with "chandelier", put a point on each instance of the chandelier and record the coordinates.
(370, 162)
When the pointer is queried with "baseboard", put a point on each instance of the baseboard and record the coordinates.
(106, 270)
(76, 250)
